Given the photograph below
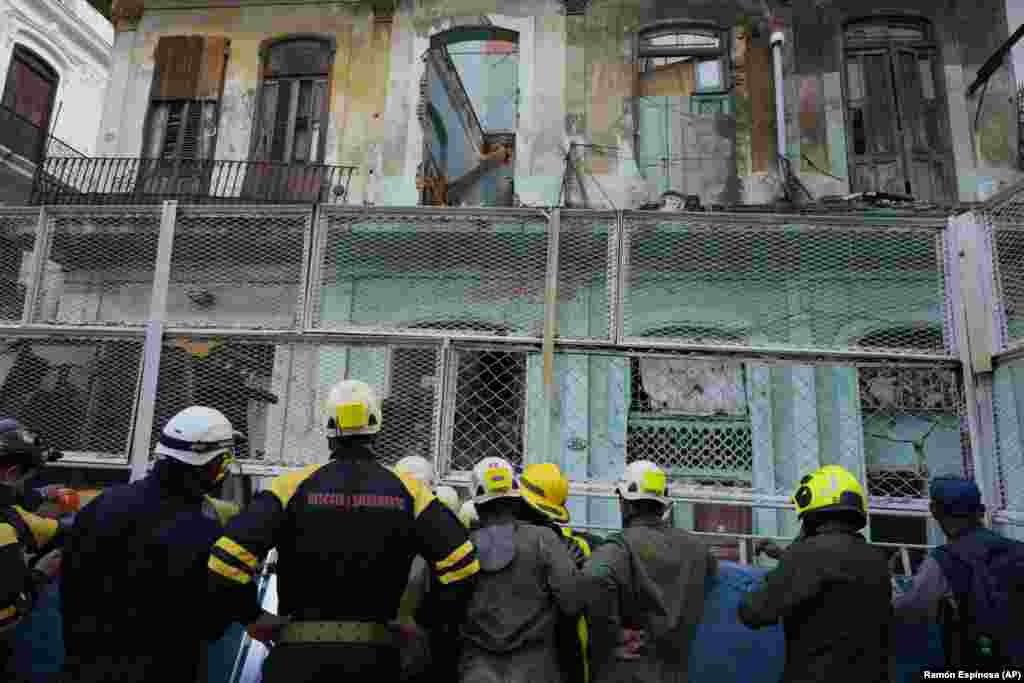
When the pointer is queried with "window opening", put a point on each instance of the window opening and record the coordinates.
(469, 114)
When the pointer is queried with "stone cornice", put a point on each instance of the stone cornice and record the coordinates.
(53, 19)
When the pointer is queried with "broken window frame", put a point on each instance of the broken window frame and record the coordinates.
(640, 413)
(294, 79)
(647, 53)
(877, 37)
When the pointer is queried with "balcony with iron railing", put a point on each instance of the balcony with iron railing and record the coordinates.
(134, 180)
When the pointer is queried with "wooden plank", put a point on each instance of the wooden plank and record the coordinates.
(677, 79)
(289, 131)
(265, 123)
(317, 120)
(762, 109)
(177, 63)
(210, 79)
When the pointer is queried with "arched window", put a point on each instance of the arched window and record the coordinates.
(897, 137)
(291, 119)
(684, 58)
(27, 104)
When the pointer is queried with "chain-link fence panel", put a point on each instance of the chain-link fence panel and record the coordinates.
(784, 282)
(17, 241)
(716, 425)
(485, 409)
(1008, 246)
(99, 266)
(587, 274)
(239, 267)
(456, 271)
(274, 392)
(78, 393)
(1008, 402)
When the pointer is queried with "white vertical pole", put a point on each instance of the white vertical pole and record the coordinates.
(143, 427)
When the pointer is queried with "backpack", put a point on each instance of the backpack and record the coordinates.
(985, 572)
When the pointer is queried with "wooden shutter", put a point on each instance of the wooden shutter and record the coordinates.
(762, 109)
(178, 62)
(188, 76)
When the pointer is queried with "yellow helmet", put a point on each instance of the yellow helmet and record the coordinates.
(545, 489)
(830, 489)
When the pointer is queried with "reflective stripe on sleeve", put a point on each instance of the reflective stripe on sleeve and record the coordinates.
(235, 551)
(459, 574)
(219, 566)
(455, 556)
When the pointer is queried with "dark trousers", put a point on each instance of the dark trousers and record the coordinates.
(331, 662)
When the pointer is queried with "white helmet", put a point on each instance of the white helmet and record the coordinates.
(417, 467)
(643, 480)
(468, 515)
(493, 478)
(448, 496)
(197, 435)
(352, 408)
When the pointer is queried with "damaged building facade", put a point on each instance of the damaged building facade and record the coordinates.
(487, 114)
(602, 104)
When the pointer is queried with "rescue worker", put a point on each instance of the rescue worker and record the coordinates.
(22, 533)
(977, 617)
(831, 589)
(133, 582)
(527, 580)
(646, 587)
(346, 533)
(545, 491)
(415, 651)
(439, 661)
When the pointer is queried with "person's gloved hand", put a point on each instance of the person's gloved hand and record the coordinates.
(631, 642)
(267, 629)
(407, 630)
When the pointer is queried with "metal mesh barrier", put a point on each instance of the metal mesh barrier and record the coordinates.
(238, 267)
(454, 270)
(1008, 244)
(487, 409)
(587, 272)
(17, 242)
(274, 391)
(784, 281)
(79, 393)
(1009, 422)
(99, 266)
(716, 425)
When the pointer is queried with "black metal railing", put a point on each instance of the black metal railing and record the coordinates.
(20, 135)
(131, 180)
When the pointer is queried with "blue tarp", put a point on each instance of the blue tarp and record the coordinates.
(724, 651)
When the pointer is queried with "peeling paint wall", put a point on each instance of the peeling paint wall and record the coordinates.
(579, 85)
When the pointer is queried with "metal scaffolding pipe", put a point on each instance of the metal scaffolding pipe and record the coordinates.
(777, 39)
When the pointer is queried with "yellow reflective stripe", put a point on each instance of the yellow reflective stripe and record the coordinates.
(8, 535)
(422, 496)
(221, 567)
(42, 528)
(285, 485)
(456, 555)
(581, 629)
(237, 551)
(7, 613)
(460, 574)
